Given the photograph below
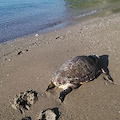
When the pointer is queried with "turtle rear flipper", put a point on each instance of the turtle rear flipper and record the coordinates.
(107, 75)
(109, 79)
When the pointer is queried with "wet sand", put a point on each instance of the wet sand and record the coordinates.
(29, 62)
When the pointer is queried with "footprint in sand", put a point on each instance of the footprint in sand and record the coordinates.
(24, 100)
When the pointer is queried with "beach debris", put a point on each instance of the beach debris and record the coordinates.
(57, 37)
(73, 73)
(21, 52)
(49, 114)
(60, 37)
(24, 100)
(26, 118)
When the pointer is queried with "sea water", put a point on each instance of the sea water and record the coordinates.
(23, 17)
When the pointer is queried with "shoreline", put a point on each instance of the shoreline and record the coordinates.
(31, 40)
(29, 62)
(53, 25)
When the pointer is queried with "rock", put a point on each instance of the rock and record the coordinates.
(49, 114)
(26, 118)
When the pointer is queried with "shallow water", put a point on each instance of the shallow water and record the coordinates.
(23, 17)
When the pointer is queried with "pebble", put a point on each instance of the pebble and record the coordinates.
(9, 59)
(1, 83)
(36, 35)
(91, 93)
(8, 75)
(38, 78)
(68, 31)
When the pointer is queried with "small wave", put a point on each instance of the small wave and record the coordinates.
(88, 13)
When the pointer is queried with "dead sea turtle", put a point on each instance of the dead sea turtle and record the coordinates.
(75, 71)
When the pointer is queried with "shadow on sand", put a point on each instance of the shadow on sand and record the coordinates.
(103, 65)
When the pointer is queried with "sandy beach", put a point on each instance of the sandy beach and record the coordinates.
(29, 62)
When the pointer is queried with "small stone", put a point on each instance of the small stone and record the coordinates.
(8, 75)
(36, 35)
(26, 118)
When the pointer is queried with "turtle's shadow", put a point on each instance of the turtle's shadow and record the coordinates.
(103, 65)
(103, 61)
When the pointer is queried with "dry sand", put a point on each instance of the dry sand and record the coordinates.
(43, 54)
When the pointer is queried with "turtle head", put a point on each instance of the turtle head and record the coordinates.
(50, 86)
(95, 58)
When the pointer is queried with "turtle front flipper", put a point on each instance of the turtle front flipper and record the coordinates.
(64, 93)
